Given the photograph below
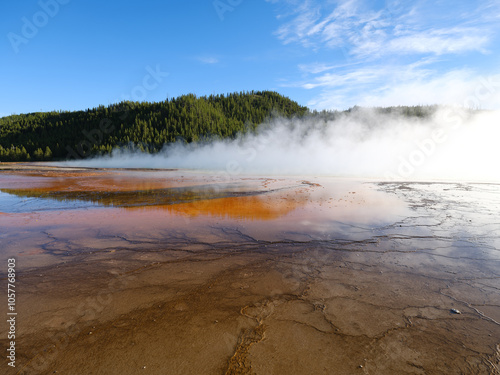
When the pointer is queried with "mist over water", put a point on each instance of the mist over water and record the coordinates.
(451, 144)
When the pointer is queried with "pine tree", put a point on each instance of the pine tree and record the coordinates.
(38, 154)
(47, 154)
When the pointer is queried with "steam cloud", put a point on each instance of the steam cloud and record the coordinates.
(451, 144)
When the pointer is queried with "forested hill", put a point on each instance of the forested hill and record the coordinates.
(59, 135)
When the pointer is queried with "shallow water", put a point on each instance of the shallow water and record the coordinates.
(177, 271)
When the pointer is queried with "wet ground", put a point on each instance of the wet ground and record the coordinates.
(188, 272)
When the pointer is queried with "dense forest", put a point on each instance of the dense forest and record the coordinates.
(148, 126)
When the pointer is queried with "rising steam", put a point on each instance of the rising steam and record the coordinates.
(449, 144)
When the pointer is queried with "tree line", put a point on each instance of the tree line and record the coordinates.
(148, 126)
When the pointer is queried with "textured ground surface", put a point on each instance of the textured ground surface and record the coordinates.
(176, 272)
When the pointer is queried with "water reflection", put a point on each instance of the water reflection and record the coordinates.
(24, 203)
(133, 198)
(308, 205)
(158, 192)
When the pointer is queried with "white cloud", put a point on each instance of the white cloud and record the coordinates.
(352, 77)
(402, 54)
(461, 87)
(362, 31)
(301, 27)
(441, 41)
(316, 67)
(420, 87)
(337, 28)
(208, 60)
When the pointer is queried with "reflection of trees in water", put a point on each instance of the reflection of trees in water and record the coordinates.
(128, 198)
(190, 201)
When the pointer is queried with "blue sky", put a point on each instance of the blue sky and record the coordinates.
(73, 54)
